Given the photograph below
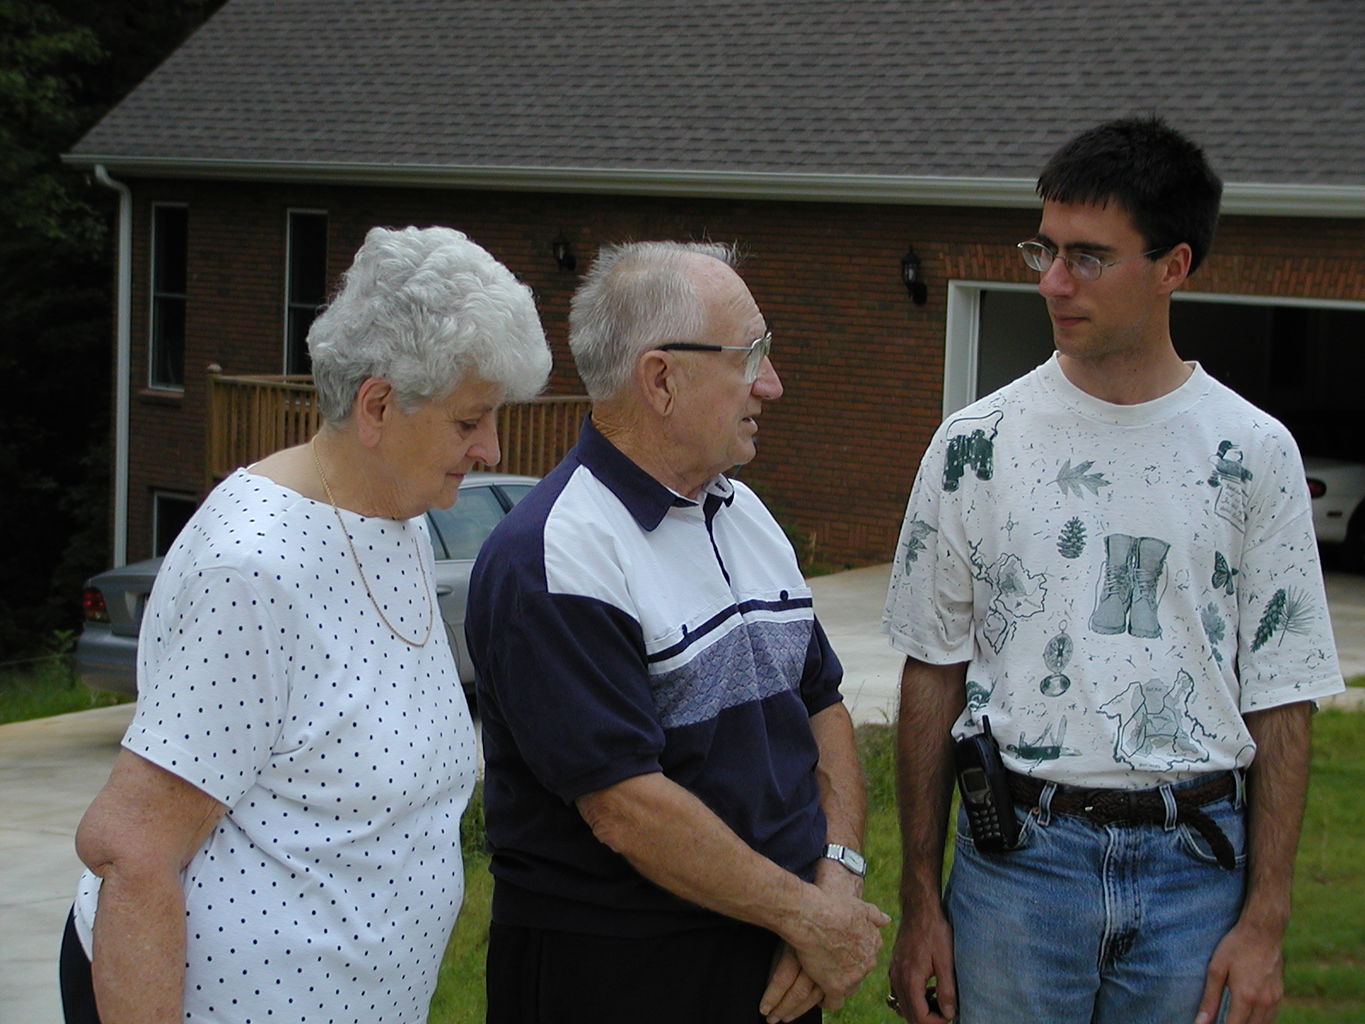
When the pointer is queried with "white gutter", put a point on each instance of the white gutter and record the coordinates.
(905, 190)
(122, 359)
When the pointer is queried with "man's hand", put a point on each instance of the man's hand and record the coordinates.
(932, 696)
(791, 991)
(1248, 963)
(923, 953)
(838, 942)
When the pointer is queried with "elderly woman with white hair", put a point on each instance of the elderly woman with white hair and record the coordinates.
(279, 837)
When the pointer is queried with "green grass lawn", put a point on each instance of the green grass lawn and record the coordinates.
(1324, 952)
(47, 686)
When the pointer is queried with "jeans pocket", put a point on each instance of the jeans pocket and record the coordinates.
(1028, 825)
(1233, 823)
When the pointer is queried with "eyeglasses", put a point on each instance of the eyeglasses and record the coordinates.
(757, 350)
(1081, 265)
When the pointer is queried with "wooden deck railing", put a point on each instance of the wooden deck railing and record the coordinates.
(252, 416)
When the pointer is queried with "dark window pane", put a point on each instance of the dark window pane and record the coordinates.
(296, 358)
(466, 524)
(515, 492)
(305, 286)
(307, 258)
(168, 342)
(170, 514)
(171, 249)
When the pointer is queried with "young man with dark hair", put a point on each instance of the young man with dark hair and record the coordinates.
(1120, 592)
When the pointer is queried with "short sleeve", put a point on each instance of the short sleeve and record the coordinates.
(211, 683)
(568, 677)
(1285, 648)
(822, 673)
(929, 613)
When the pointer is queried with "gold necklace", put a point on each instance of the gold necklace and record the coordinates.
(426, 587)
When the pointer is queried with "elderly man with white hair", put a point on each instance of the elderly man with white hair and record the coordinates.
(673, 794)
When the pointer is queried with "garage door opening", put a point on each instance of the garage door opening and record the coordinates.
(1301, 361)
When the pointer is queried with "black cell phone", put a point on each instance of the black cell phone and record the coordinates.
(985, 788)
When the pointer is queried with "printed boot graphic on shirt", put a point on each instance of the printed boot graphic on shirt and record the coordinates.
(1130, 590)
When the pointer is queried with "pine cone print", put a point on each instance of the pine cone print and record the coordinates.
(1072, 541)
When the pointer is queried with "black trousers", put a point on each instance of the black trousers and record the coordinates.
(706, 976)
(78, 988)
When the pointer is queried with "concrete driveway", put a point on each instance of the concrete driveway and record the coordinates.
(50, 770)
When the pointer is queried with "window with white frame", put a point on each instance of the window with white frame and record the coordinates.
(305, 284)
(170, 252)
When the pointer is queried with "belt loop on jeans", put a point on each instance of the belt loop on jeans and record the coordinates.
(1239, 798)
(1172, 811)
(1045, 803)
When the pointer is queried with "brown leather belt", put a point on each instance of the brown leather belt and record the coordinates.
(1107, 806)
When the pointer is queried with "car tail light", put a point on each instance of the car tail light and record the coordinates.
(92, 604)
(1316, 488)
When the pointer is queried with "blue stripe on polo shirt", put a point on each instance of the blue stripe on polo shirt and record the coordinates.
(743, 609)
(753, 662)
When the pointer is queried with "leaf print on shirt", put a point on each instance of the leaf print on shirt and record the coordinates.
(1080, 478)
(1215, 627)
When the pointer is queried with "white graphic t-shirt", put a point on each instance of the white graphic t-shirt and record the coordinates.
(1125, 582)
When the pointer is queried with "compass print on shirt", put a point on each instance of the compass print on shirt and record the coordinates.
(1055, 656)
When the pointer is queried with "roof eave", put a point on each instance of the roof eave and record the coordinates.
(1265, 200)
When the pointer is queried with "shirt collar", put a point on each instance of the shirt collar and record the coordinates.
(647, 500)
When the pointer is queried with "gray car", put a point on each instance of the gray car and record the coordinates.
(106, 650)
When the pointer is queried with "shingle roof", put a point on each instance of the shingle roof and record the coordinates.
(1274, 89)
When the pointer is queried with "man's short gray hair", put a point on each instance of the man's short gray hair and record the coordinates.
(634, 298)
(423, 308)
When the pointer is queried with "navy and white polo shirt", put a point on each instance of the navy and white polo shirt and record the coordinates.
(619, 629)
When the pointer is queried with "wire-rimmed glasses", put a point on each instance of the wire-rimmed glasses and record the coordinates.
(757, 350)
(1080, 265)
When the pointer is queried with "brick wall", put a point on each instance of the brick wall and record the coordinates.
(862, 366)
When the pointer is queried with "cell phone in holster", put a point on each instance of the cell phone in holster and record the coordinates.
(985, 788)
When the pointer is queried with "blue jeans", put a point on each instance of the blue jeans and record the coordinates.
(1088, 923)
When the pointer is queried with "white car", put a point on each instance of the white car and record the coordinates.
(1337, 488)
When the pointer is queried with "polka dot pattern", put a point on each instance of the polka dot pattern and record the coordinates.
(346, 758)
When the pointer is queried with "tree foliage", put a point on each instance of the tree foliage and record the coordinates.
(63, 64)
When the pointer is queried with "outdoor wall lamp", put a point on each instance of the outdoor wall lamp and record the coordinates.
(913, 276)
(563, 253)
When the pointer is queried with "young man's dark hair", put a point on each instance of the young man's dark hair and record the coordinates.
(1149, 169)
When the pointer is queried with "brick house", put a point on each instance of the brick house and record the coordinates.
(832, 140)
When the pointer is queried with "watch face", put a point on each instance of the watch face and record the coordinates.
(851, 859)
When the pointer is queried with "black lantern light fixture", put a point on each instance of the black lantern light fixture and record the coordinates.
(912, 274)
(563, 253)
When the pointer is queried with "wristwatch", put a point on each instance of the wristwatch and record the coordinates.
(851, 859)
